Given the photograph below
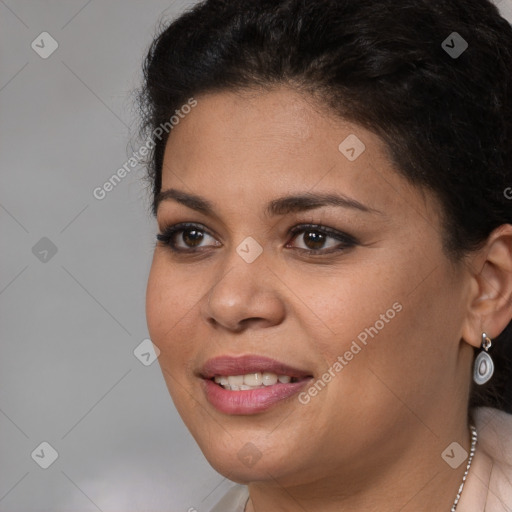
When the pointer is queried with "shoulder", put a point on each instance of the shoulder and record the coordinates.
(234, 500)
(494, 428)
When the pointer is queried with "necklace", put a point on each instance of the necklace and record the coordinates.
(470, 459)
(471, 454)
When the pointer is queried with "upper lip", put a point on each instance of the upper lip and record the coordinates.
(242, 365)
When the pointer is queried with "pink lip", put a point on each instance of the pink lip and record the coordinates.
(241, 365)
(251, 401)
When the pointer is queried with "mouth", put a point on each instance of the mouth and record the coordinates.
(256, 380)
(250, 384)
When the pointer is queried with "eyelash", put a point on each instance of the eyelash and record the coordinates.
(348, 241)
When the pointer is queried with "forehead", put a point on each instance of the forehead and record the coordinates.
(244, 145)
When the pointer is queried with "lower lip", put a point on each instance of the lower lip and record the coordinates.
(250, 401)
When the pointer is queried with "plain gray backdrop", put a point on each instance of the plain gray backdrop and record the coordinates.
(74, 271)
(70, 321)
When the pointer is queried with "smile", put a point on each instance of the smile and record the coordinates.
(249, 384)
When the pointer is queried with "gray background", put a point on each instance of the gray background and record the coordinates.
(70, 321)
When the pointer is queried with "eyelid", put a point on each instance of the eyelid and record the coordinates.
(178, 226)
(331, 232)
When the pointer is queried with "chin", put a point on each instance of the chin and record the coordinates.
(240, 460)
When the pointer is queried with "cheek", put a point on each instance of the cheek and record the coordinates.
(396, 342)
(372, 359)
(156, 299)
(339, 307)
(380, 320)
(170, 301)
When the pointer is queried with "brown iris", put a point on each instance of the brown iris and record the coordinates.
(314, 239)
(192, 237)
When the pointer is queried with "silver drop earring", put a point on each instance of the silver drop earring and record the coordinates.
(484, 365)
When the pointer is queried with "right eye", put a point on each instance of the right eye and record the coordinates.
(191, 236)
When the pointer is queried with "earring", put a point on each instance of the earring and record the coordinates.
(484, 365)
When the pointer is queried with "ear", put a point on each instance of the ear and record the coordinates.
(490, 301)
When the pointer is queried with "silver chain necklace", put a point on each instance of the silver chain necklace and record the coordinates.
(471, 454)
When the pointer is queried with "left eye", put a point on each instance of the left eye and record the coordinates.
(314, 237)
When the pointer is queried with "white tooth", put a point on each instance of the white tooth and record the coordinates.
(252, 379)
(284, 379)
(233, 388)
(269, 379)
(217, 379)
(244, 387)
(236, 380)
(223, 381)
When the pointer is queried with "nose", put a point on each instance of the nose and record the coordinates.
(245, 294)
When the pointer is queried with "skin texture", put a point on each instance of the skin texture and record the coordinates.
(372, 438)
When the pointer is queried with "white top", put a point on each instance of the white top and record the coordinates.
(234, 500)
(489, 483)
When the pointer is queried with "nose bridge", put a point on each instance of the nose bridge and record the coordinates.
(247, 241)
(243, 268)
(249, 250)
(243, 290)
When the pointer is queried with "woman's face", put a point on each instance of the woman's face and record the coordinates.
(367, 329)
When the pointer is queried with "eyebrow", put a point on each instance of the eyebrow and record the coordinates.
(279, 206)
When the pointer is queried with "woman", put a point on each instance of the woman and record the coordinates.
(331, 288)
